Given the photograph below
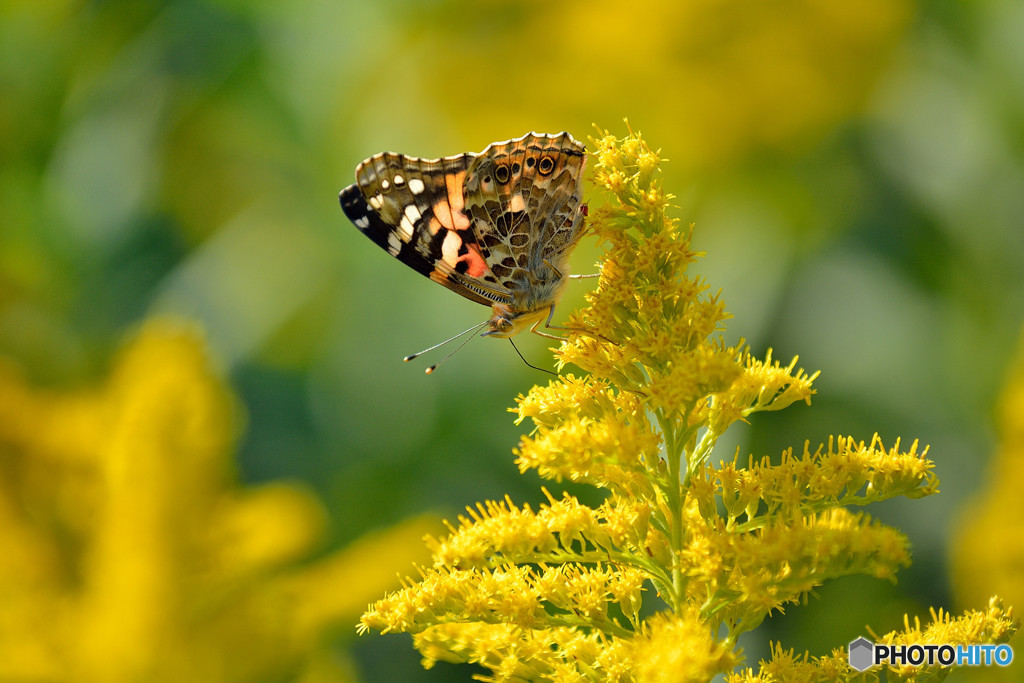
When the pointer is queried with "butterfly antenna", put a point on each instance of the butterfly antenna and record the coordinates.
(528, 363)
(451, 339)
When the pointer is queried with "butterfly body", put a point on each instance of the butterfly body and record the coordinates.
(496, 227)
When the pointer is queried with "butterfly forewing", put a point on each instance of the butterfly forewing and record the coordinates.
(387, 213)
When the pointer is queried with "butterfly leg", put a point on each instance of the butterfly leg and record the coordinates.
(547, 324)
(558, 273)
(579, 330)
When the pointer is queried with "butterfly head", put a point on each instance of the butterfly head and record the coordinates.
(507, 322)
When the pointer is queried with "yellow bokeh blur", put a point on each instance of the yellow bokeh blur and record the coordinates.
(988, 557)
(129, 551)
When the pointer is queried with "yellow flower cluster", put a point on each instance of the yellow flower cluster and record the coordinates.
(564, 529)
(762, 386)
(667, 647)
(652, 323)
(786, 665)
(686, 552)
(847, 473)
(582, 443)
(129, 553)
(742, 577)
(995, 624)
(562, 595)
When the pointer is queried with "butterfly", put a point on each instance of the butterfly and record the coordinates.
(496, 227)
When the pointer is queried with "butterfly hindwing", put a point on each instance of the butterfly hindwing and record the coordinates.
(525, 193)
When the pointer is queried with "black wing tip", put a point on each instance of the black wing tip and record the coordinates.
(354, 204)
(345, 197)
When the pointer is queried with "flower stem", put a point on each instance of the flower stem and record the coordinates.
(674, 496)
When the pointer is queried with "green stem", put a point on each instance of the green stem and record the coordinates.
(674, 495)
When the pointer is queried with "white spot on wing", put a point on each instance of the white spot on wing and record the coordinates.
(517, 203)
(399, 180)
(416, 185)
(376, 201)
(394, 244)
(450, 247)
(362, 222)
(384, 184)
(408, 222)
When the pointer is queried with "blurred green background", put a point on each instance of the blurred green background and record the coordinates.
(855, 172)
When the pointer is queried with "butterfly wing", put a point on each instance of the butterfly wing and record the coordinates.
(412, 208)
(524, 198)
(479, 224)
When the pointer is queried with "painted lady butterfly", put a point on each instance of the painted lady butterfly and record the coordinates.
(496, 227)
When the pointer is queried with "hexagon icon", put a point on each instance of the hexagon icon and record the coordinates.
(862, 654)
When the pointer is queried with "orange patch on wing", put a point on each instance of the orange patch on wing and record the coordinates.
(443, 214)
(477, 265)
(454, 184)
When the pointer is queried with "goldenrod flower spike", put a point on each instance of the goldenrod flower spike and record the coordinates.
(687, 551)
